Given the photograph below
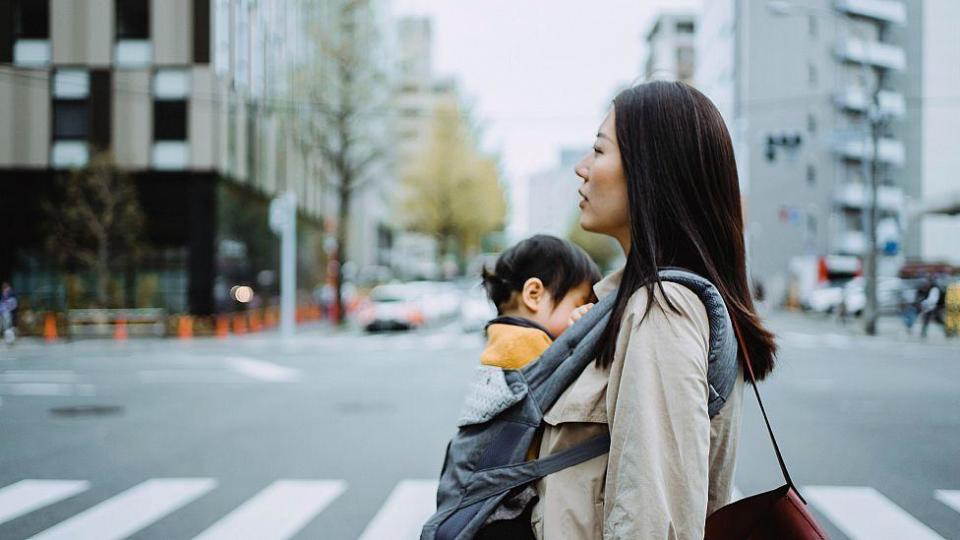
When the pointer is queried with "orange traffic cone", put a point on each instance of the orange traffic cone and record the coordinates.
(255, 324)
(120, 330)
(269, 318)
(50, 328)
(239, 324)
(185, 327)
(223, 328)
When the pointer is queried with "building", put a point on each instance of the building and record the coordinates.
(420, 92)
(671, 51)
(198, 101)
(793, 81)
(552, 201)
(932, 170)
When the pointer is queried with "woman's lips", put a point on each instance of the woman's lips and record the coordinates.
(583, 199)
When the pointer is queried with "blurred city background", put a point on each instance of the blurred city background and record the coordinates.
(241, 241)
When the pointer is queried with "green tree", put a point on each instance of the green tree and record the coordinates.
(452, 191)
(97, 222)
(346, 100)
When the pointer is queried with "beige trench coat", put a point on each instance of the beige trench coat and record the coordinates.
(670, 465)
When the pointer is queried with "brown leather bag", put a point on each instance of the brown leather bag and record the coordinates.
(780, 514)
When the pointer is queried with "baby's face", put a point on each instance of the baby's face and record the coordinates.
(558, 319)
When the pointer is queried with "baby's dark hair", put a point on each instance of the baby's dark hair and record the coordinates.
(560, 264)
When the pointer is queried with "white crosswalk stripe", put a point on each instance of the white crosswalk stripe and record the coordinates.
(285, 507)
(277, 512)
(28, 495)
(130, 511)
(407, 508)
(862, 512)
(949, 498)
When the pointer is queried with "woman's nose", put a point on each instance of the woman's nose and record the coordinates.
(581, 168)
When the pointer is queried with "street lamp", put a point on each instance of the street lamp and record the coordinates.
(876, 121)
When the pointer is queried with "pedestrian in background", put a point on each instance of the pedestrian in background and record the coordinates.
(8, 308)
(661, 180)
(932, 306)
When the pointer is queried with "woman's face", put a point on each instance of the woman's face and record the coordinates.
(603, 194)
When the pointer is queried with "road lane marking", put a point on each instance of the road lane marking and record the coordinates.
(949, 498)
(28, 495)
(130, 511)
(38, 376)
(264, 371)
(408, 507)
(862, 512)
(277, 512)
(46, 389)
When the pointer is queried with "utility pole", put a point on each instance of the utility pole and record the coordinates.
(283, 221)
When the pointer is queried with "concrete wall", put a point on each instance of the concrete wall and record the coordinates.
(203, 130)
(941, 118)
(132, 118)
(82, 32)
(25, 130)
(171, 30)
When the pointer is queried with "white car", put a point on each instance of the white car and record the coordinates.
(392, 307)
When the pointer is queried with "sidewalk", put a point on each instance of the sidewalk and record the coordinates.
(889, 327)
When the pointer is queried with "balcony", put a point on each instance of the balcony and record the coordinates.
(874, 53)
(888, 11)
(69, 154)
(31, 52)
(851, 243)
(889, 199)
(133, 53)
(856, 147)
(170, 155)
(892, 104)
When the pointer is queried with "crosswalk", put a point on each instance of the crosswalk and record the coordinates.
(283, 508)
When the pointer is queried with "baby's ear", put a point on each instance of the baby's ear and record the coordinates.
(532, 295)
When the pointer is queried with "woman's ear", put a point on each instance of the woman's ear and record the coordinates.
(532, 294)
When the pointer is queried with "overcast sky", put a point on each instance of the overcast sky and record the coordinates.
(538, 74)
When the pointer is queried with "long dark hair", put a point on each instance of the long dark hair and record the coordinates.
(685, 208)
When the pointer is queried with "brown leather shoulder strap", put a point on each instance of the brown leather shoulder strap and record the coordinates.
(756, 391)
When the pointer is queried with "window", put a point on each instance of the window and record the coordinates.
(171, 88)
(170, 120)
(133, 19)
(811, 175)
(685, 63)
(32, 19)
(812, 74)
(812, 25)
(71, 118)
(71, 105)
(685, 27)
(811, 123)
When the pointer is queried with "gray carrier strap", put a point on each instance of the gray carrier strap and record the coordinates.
(488, 482)
(564, 361)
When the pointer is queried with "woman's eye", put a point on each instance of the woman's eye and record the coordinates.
(597, 150)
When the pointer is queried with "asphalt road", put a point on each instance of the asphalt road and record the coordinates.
(342, 436)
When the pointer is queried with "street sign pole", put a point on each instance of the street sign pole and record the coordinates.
(283, 221)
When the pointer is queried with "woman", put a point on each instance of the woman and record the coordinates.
(662, 181)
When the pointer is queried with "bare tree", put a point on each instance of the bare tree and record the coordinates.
(97, 223)
(346, 111)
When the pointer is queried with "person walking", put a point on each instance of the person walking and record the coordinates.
(662, 181)
(932, 306)
(8, 307)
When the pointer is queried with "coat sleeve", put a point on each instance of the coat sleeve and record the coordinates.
(658, 471)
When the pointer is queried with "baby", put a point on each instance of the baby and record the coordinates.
(537, 287)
